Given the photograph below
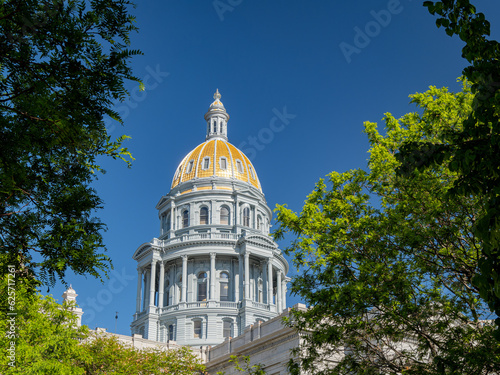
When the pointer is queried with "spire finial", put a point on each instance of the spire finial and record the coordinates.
(217, 95)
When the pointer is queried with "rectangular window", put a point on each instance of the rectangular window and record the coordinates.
(227, 329)
(190, 166)
(197, 329)
(224, 291)
(206, 163)
(239, 166)
(202, 291)
(223, 163)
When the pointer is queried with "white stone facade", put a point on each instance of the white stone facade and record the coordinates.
(214, 269)
(268, 344)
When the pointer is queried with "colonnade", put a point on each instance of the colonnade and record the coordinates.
(146, 296)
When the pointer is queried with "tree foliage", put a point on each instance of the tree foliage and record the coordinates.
(245, 367)
(106, 355)
(472, 150)
(62, 64)
(386, 263)
(41, 334)
(46, 340)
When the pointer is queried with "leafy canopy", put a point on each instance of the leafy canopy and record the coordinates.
(46, 340)
(62, 63)
(472, 150)
(386, 263)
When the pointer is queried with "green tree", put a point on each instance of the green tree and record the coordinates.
(106, 355)
(37, 335)
(387, 262)
(245, 367)
(472, 150)
(62, 64)
(40, 336)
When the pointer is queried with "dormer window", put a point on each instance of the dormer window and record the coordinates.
(177, 173)
(189, 167)
(239, 166)
(206, 163)
(252, 173)
(223, 163)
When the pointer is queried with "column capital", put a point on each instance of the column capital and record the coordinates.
(184, 257)
(212, 255)
(246, 254)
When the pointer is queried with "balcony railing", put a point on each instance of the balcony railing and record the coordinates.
(206, 304)
(196, 236)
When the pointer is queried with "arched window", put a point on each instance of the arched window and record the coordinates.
(197, 329)
(202, 286)
(185, 219)
(171, 332)
(224, 216)
(224, 286)
(246, 217)
(204, 215)
(226, 330)
(259, 223)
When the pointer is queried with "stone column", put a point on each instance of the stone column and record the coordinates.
(240, 281)
(212, 276)
(147, 282)
(172, 216)
(184, 277)
(235, 210)
(162, 285)
(213, 213)
(247, 275)
(265, 298)
(269, 281)
(152, 283)
(283, 291)
(278, 291)
(139, 287)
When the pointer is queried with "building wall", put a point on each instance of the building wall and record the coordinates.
(268, 343)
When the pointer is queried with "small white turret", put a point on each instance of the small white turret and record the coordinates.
(217, 119)
(70, 296)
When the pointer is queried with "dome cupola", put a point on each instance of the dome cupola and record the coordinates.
(217, 119)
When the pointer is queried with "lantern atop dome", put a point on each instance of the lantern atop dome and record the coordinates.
(217, 119)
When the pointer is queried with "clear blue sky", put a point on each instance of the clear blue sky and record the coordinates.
(263, 57)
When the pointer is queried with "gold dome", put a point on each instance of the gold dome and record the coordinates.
(216, 158)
